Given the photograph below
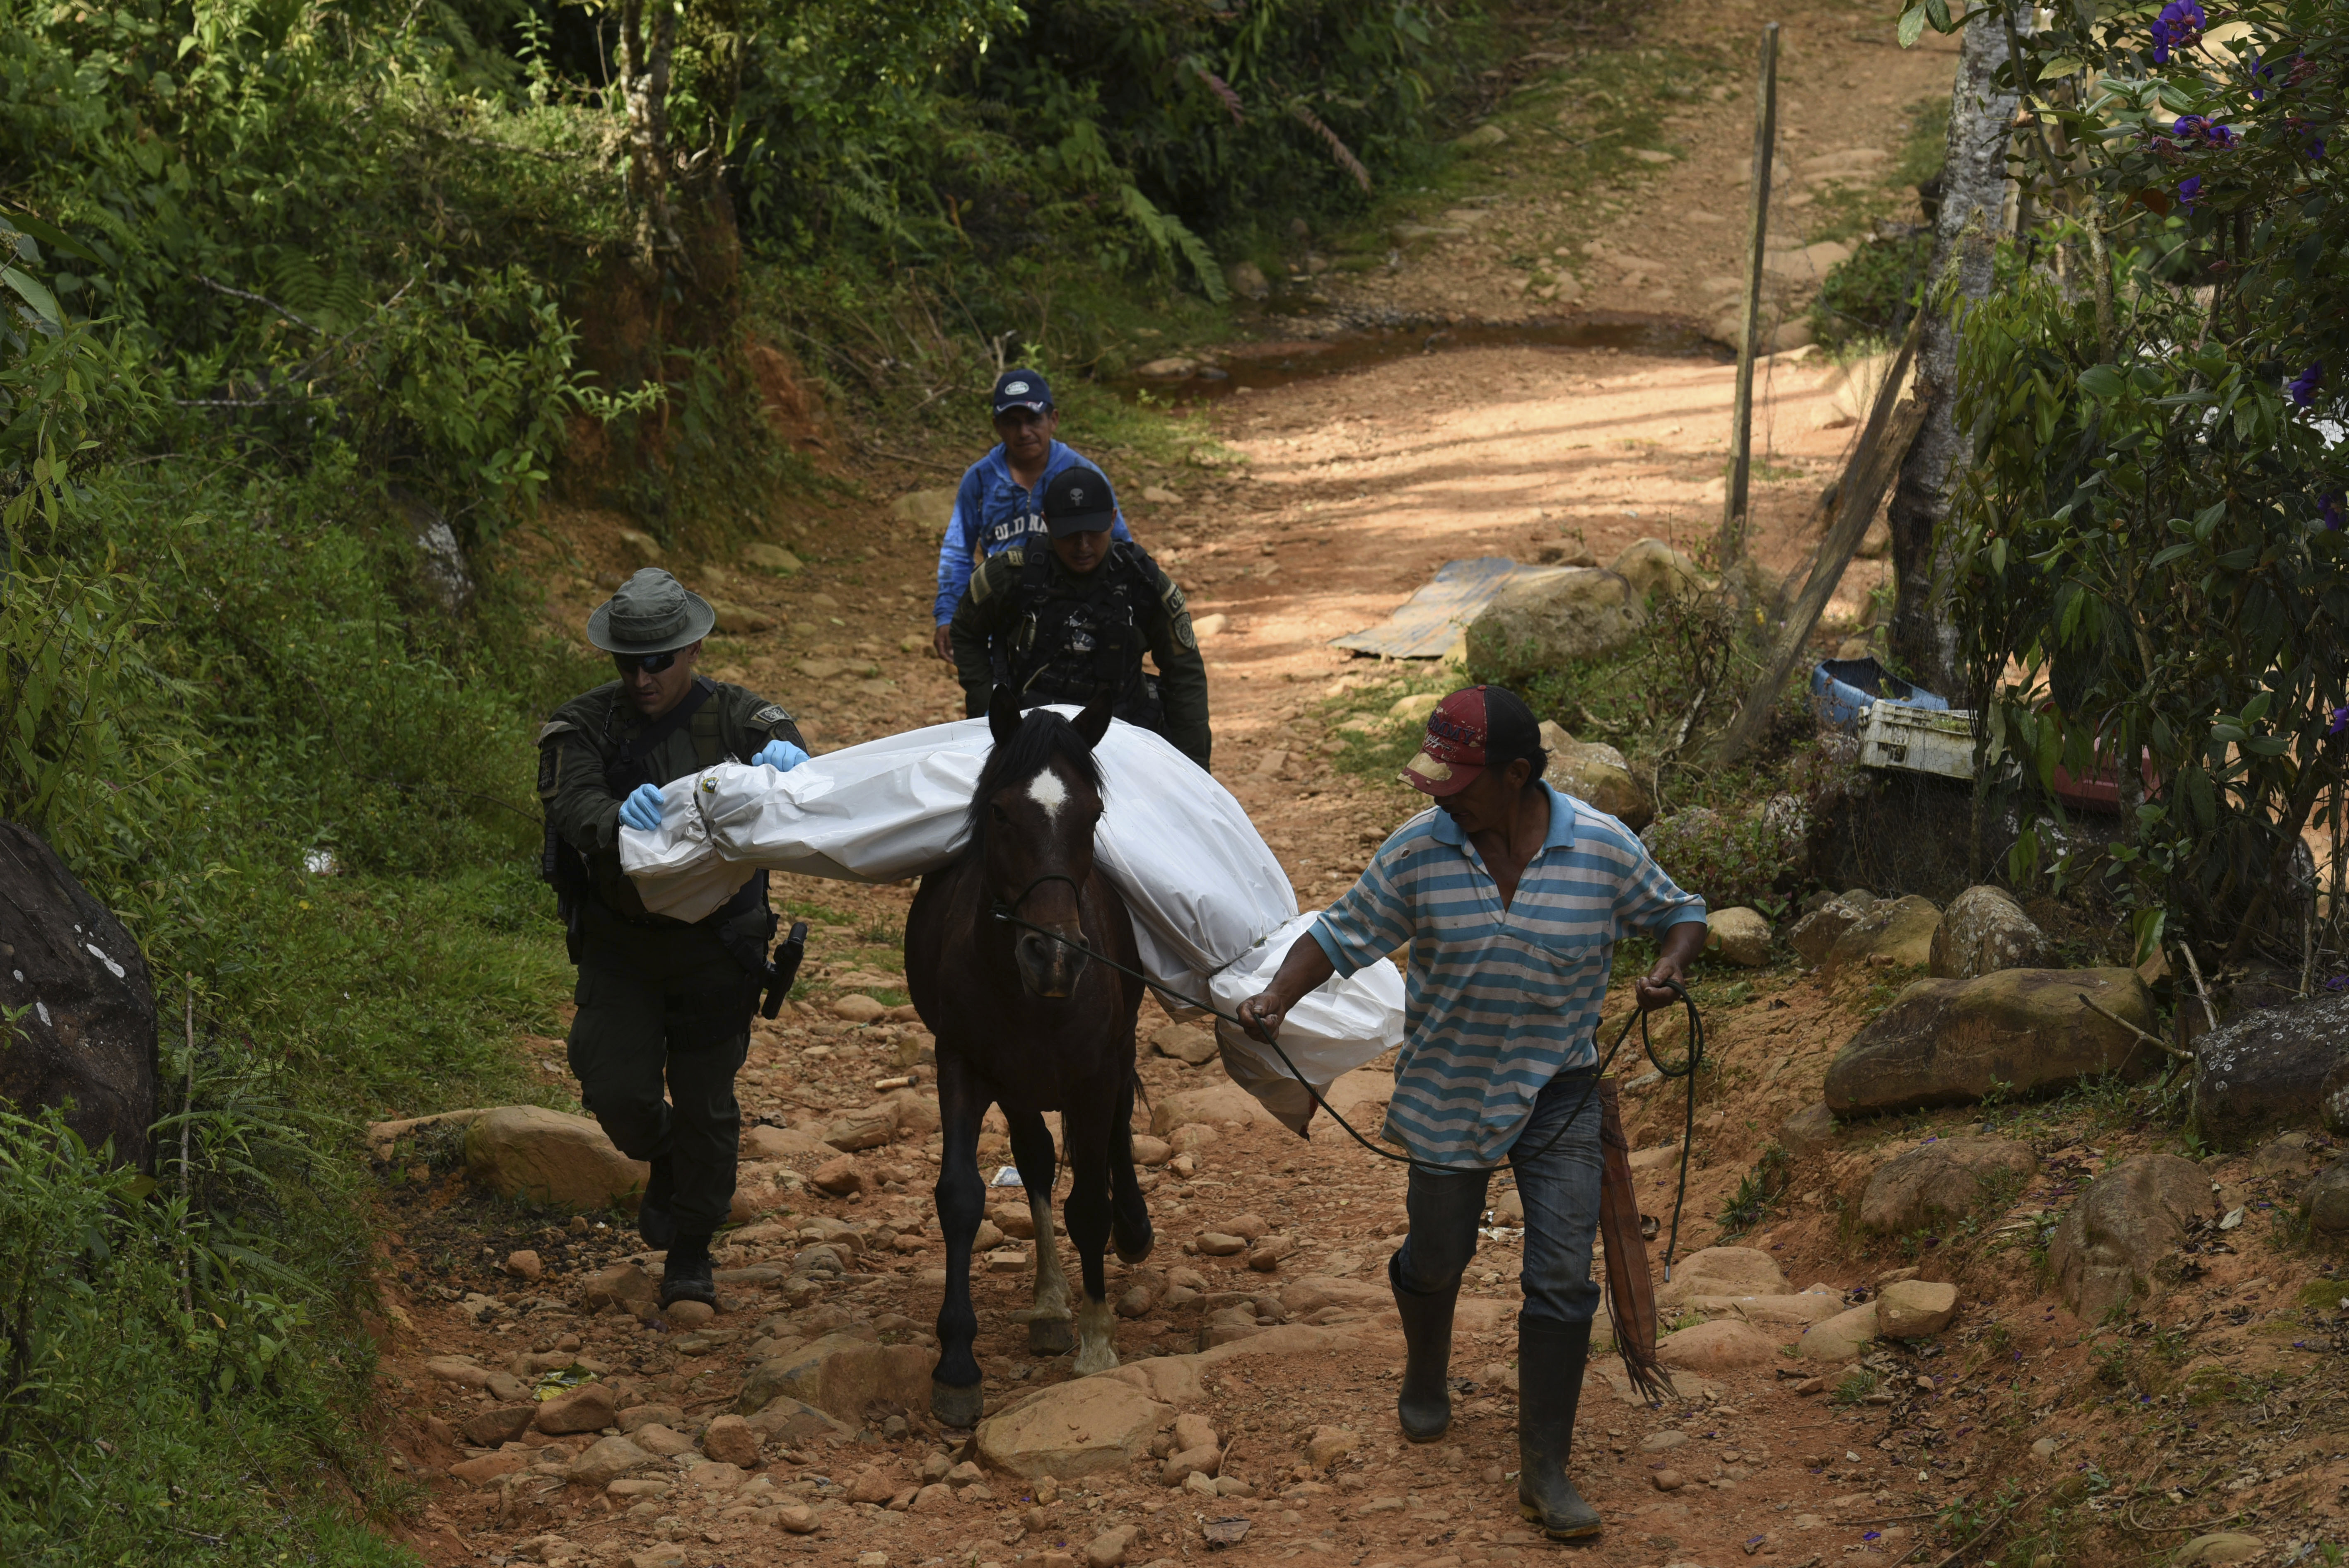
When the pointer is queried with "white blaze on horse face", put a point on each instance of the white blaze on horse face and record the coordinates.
(1046, 791)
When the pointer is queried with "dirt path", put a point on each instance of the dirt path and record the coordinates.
(1352, 490)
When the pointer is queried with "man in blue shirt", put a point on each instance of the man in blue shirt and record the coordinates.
(1001, 500)
(1511, 897)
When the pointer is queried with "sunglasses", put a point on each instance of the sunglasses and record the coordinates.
(651, 664)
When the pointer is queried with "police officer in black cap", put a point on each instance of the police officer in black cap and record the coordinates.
(657, 997)
(1068, 619)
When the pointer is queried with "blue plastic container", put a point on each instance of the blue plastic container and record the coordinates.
(1843, 689)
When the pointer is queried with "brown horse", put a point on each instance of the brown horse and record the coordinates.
(1032, 1025)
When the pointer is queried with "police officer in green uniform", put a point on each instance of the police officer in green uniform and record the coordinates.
(659, 996)
(1069, 623)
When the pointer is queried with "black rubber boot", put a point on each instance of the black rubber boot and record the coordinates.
(1424, 1406)
(686, 1275)
(1551, 1358)
(655, 1220)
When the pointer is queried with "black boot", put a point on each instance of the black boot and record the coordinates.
(1424, 1406)
(1551, 1358)
(686, 1275)
(655, 1220)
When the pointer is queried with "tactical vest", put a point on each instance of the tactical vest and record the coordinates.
(626, 766)
(1080, 639)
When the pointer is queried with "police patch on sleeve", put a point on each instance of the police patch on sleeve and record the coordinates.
(554, 728)
(770, 716)
(1184, 633)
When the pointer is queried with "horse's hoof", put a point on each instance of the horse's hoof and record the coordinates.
(957, 1407)
(1131, 1252)
(1050, 1336)
(1102, 1358)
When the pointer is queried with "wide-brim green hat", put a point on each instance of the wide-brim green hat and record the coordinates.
(653, 612)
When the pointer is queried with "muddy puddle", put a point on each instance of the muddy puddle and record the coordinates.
(1259, 366)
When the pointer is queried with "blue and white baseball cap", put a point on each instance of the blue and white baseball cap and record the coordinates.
(1021, 389)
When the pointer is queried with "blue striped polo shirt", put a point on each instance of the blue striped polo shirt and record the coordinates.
(1497, 1001)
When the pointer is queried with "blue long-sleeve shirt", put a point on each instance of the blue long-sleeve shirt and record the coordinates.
(992, 512)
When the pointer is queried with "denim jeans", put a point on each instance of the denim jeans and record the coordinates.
(1559, 1188)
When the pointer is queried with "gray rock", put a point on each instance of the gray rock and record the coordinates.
(1545, 619)
(1809, 1130)
(1815, 936)
(1740, 936)
(1247, 281)
(2105, 1252)
(1950, 1042)
(1942, 1180)
(2325, 1201)
(1596, 774)
(1656, 571)
(1984, 930)
(2271, 1068)
(1896, 932)
(2287, 1156)
(85, 1037)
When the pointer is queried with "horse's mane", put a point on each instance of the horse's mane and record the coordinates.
(1042, 735)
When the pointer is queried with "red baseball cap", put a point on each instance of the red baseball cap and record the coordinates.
(1466, 731)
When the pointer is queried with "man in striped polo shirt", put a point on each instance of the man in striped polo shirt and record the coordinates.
(1511, 897)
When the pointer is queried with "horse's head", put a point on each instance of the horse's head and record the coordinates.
(1031, 822)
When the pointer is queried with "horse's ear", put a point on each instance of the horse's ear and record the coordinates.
(1003, 714)
(1093, 723)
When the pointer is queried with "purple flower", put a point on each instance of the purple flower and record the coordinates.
(2190, 190)
(2189, 127)
(2220, 135)
(2328, 509)
(2340, 721)
(2303, 387)
(2179, 26)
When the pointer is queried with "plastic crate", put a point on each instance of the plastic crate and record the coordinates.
(1842, 689)
(1915, 739)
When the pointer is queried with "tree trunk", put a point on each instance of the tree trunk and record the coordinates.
(1965, 236)
(644, 75)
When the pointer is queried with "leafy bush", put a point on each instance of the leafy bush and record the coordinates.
(2150, 525)
(1752, 858)
(1872, 295)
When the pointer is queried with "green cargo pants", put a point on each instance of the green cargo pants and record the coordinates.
(688, 1021)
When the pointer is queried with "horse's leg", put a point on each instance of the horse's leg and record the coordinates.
(1048, 1318)
(956, 1398)
(1129, 1213)
(1088, 1135)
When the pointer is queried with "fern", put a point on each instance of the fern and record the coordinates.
(1171, 235)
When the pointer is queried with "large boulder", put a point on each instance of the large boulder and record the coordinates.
(1843, 1338)
(1942, 1180)
(1724, 1271)
(1724, 1345)
(1982, 931)
(1741, 936)
(842, 1374)
(2132, 1217)
(1950, 1042)
(84, 1036)
(1541, 620)
(1814, 936)
(1915, 1308)
(1095, 1426)
(542, 1156)
(1598, 775)
(1656, 571)
(1897, 932)
(2272, 1067)
(1215, 1104)
(2325, 1201)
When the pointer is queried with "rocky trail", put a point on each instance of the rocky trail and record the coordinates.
(1890, 1329)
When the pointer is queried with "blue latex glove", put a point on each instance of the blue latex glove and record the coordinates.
(780, 754)
(642, 809)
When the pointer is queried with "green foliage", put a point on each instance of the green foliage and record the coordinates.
(1872, 295)
(2150, 525)
(171, 1398)
(1750, 857)
(1757, 1191)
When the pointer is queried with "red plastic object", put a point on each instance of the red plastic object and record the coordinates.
(2101, 792)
